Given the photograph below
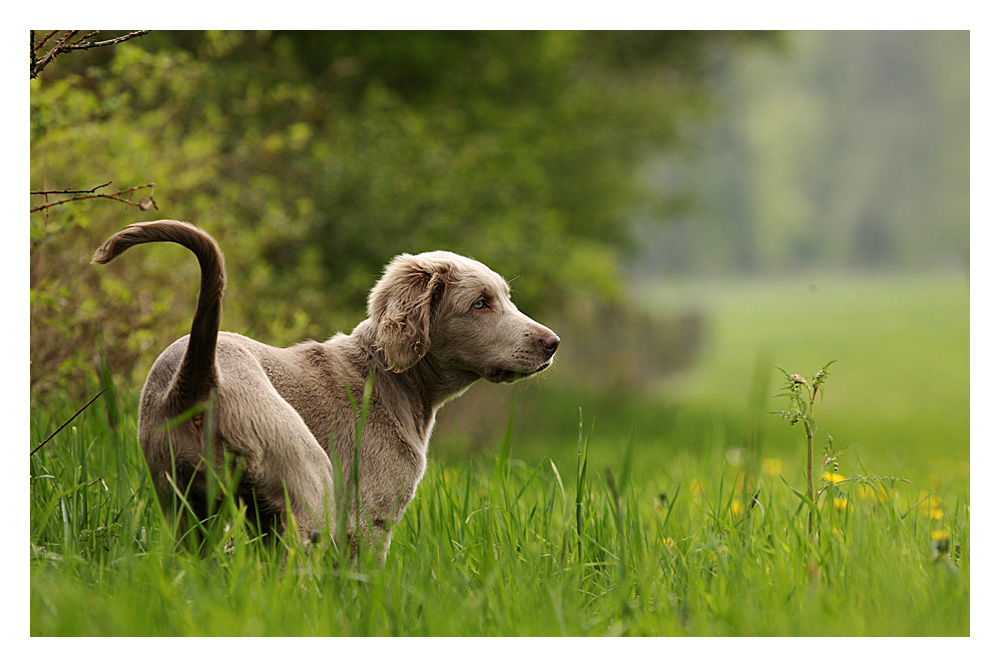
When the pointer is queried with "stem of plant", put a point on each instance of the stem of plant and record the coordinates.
(809, 445)
(809, 470)
(802, 395)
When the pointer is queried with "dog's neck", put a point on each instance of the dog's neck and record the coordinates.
(428, 386)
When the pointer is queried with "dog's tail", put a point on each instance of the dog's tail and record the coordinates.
(196, 375)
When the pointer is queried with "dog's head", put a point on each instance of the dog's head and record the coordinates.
(458, 314)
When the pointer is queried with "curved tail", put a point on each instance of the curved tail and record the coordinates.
(196, 375)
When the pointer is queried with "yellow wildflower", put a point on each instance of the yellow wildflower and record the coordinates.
(771, 467)
(736, 507)
(940, 543)
(840, 503)
(933, 507)
(695, 487)
(833, 477)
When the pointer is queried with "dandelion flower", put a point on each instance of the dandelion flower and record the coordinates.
(934, 507)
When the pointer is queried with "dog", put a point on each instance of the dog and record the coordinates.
(437, 322)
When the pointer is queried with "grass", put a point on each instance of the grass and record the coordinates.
(901, 391)
(482, 552)
(646, 517)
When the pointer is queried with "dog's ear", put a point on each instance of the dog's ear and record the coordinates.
(400, 305)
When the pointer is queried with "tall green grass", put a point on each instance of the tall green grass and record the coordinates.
(652, 516)
(505, 548)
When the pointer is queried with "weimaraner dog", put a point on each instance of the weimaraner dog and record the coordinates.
(437, 322)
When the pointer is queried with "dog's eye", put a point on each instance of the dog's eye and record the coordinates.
(479, 305)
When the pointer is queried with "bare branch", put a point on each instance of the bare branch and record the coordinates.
(65, 44)
(71, 192)
(82, 45)
(66, 423)
(90, 34)
(44, 39)
(144, 204)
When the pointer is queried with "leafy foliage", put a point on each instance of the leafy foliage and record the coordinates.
(315, 157)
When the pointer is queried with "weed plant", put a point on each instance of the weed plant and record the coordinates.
(705, 546)
(802, 394)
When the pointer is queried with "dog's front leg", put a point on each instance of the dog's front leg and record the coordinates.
(369, 539)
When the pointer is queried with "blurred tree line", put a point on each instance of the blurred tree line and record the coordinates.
(314, 157)
(847, 150)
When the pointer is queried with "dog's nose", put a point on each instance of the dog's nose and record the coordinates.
(550, 342)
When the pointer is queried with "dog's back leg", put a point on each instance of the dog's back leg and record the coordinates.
(278, 452)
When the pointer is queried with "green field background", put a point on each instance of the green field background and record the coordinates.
(658, 540)
(898, 399)
(900, 393)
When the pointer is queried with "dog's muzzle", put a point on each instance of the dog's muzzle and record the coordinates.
(549, 343)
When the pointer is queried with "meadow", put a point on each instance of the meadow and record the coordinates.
(680, 511)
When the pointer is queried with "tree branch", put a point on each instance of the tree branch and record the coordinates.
(71, 192)
(70, 42)
(144, 204)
